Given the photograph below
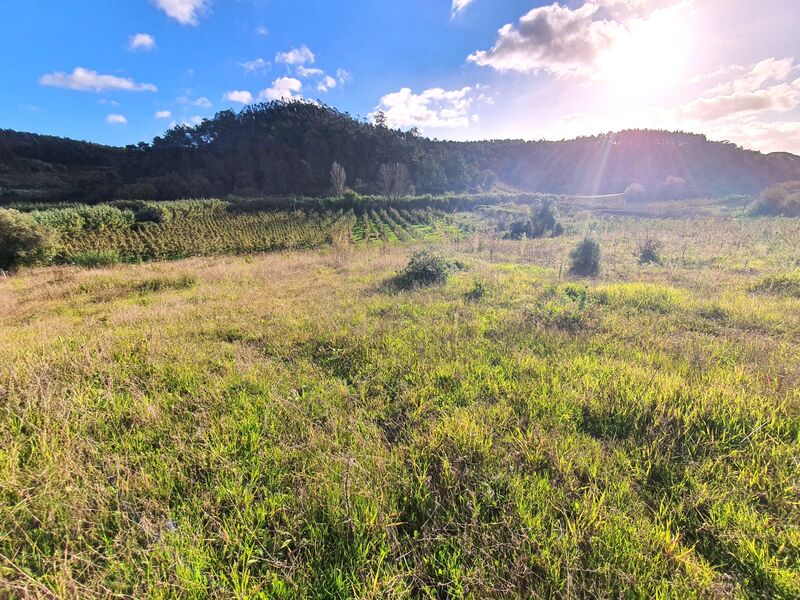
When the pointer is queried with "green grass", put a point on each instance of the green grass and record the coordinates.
(287, 426)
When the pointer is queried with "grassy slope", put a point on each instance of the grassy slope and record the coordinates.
(282, 425)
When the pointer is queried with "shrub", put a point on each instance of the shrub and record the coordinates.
(585, 258)
(635, 192)
(24, 242)
(650, 252)
(781, 200)
(67, 221)
(543, 223)
(93, 259)
(102, 217)
(477, 291)
(426, 267)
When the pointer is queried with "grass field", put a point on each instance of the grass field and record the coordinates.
(287, 425)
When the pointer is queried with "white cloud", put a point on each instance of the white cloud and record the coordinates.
(255, 66)
(86, 80)
(188, 122)
(185, 12)
(239, 96)
(163, 114)
(297, 56)
(116, 120)
(552, 38)
(343, 76)
(306, 72)
(326, 84)
(434, 107)
(585, 41)
(284, 88)
(202, 102)
(764, 88)
(459, 5)
(141, 41)
(261, 30)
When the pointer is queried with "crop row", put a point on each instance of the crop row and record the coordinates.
(221, 234)
(389, 225)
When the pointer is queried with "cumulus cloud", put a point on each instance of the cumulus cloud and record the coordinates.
(326, 83)
(116, 120)
(431, 108)
(163, 114)
(627, 9)
(142, 41)
(185, 12)
(86, 80)
(255, 66)
(239, 96)
(552, 38)
(766, 87)
(296, 56)
(284, 88)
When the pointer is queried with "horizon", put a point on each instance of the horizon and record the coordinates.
(366, 121)
(463, 70)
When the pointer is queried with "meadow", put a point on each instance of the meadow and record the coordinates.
(291, 425)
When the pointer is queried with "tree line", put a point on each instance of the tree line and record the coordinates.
(291, 147)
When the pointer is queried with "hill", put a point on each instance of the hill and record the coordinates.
(288, 147)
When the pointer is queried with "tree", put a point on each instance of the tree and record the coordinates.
(635, 192)
(23, 242)
(394, 180)
(338, 180)
(779, 200)
(380, 119)
(585, 258)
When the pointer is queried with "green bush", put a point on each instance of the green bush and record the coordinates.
(542, 223)
(426, 267)
(67, 221)
(102, 216)
(24, 242)
(585, 258)
(781, 200)
(93, 259)
(650, 252)
(477, 291)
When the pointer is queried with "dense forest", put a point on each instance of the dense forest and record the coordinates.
(286, 148)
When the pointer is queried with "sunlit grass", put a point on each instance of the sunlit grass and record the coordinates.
(286, 425)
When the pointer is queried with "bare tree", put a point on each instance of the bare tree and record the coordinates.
(394, 180)
(338, 179)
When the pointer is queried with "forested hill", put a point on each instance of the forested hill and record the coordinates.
(288, 148)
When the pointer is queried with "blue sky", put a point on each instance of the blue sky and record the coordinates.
(124, 71)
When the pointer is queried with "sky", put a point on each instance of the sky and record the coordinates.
(125, 71)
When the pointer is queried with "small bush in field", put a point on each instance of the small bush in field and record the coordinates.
(426, 267)
(585, 258)
(24, 242)
(93, 259)
(650, 252)
(477, 291)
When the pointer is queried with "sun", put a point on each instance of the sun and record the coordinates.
(649, 57)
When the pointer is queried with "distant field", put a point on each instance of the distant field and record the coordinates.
(287, 425)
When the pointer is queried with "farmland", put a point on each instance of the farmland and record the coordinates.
(240, 424)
